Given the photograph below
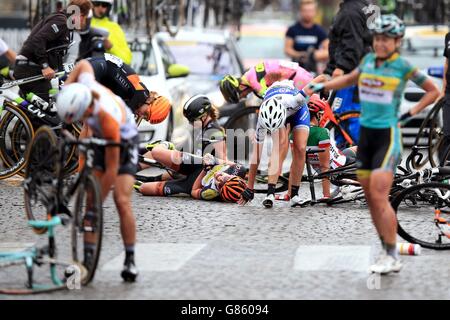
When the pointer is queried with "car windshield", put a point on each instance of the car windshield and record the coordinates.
(203, 58)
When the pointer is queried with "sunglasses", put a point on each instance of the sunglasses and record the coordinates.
(100, 4)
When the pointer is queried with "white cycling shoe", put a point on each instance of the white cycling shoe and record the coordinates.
(268, 201)
(386, 264)
(296, 201)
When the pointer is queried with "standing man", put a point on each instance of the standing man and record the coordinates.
(307, 42)
(117, 44)
(350, 38)
(446, 94)
(53, 31)
(7, 58)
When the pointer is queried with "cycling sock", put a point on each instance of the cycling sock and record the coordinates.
(294, 191)
(271, 189)
(129, 253)
(89, 246)
(391, 250)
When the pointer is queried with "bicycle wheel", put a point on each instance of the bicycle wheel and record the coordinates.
(430, 134)
(16, 131)
(87, 227)
(422, 213)
(41, 173)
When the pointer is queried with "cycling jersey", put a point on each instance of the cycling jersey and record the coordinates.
(116, 37)
(293, 100)
(117, 76)
(211, 131)
(111, 119)
(210, 190)
(260, 77)
(381, 89)
(319, 139)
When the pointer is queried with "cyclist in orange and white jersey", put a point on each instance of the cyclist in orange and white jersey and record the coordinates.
(107, 117)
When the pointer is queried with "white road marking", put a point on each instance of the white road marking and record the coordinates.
(332, 258)
(158, 256)
(14, 246)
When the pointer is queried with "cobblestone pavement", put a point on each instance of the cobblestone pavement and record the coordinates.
(200, 250)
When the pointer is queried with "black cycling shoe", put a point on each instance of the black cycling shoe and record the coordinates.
(129, 272)
(88, 260)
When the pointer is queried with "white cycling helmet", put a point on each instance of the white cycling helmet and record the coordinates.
(73, 101)
(110, 2)
(272, 114)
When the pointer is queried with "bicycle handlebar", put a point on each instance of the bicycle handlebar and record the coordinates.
(19, 82)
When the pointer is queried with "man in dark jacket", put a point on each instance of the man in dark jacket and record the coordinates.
(36, 56)
(350, 38)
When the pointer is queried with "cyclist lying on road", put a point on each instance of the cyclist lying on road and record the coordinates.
(206, 178)
(209, 136)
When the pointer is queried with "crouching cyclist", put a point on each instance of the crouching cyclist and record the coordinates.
(283, 109)
(107, 116)
(205, 178)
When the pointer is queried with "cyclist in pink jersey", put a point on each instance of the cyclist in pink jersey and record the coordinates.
(258, 78)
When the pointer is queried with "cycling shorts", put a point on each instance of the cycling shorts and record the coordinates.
(379, 149)
(128, 158)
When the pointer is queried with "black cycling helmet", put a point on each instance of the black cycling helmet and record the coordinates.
(139, 98)
(196, 107)
(229, 86)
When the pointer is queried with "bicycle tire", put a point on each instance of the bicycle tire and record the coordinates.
(424, 133)
(79, 231)
(11, 112)
(41, 170)
(404, 228)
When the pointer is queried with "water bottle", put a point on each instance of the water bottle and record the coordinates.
(37, 101)
(408, 249)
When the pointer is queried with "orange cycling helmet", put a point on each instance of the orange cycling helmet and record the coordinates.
(158, 110)
(316, 104)
(232, 189)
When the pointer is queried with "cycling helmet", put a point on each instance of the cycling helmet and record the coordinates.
(196, 107)
(389, 25)
(110, 2)
(316, 104)
(159, 110)
(73, 101)
(272, 114)
(232, 189)
(229, 86)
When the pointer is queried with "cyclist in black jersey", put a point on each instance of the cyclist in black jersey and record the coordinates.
(208, 135)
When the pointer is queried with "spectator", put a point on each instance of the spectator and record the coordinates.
(350, 38)
(53, 31)
(446, 93)
(307, 42)
(117, 44)
(7, 58)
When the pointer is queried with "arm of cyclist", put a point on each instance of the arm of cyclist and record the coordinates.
(431, 93)
(324, 160)
(82, 67)
(334, 84)
(254, 164)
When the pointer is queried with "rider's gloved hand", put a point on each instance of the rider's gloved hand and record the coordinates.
(246, 196)
(404, 118)
(209, 160)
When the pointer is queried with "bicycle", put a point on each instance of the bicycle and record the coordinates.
(167, 13)
(18, 122)
(47, 192)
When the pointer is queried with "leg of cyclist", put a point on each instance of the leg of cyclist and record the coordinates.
(279, 139)
(123, 188)
(298, 164)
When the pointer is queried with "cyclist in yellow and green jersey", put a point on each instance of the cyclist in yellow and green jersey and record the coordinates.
(382, 77)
